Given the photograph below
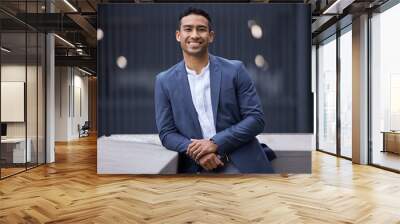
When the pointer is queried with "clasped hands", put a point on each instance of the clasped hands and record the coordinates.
(203, 151)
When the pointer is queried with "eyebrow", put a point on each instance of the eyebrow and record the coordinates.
(191, 26)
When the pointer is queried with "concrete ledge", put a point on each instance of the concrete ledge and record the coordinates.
(116, 156)
(292, 162)
(143, 154)
(293, 152)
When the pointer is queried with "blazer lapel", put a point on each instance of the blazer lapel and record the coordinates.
(215, 84)
(183, 83)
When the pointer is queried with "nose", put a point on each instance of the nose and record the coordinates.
(194, 34)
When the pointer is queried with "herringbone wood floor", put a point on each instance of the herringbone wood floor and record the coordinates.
(70, 191)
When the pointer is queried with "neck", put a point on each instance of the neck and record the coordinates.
(195, 63)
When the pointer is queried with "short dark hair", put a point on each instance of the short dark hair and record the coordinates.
(195, 11)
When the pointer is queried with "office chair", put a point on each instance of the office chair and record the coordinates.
(84, 130)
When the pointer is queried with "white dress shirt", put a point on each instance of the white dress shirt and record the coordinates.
(201, 97)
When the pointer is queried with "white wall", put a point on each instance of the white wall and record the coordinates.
(62, 81)
(16, 73)
(81, 103)
(12, 101)
(71, 102)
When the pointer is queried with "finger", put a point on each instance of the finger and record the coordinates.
(218, 162)
(191, 145)
(201, 153)
(205, 166)
(194, 141)
(204, 163)
(212, 163)
(198, 150)
(196, 153)
(188, 148)
(192, 149)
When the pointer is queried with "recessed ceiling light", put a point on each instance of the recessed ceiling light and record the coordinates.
(5, 50)
(122, 62)
(100, 34)
(64, 40)
(260, 62)
(256, 31)
(84, 71)
(337, 7)
(70, 5)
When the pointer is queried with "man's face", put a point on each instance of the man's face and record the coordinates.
(194, 35)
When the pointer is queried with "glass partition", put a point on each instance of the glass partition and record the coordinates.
(32, 95)
(346, 93)
(13, 109)
(22, 88)
(385, 89)
(33, 40)
(327, 95)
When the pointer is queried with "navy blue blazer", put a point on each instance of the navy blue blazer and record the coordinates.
(237, 111)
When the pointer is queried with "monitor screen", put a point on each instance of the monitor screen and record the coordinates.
(3, 129)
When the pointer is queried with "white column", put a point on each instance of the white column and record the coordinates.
(360, 90)
(314, 91)
(50, 92)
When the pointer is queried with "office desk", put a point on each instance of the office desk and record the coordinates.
(391, 141)
(13, 150)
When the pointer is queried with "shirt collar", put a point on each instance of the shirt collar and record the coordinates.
(193, 72)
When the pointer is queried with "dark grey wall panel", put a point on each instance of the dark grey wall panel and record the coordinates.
(145, 35)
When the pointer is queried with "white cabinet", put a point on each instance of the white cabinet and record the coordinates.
(17, 147)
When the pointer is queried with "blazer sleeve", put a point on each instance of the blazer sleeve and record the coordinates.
(168, 133)
(252, 122)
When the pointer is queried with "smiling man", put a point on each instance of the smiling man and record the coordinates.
(207, 108)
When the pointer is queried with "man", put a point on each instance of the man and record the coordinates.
(207, 108)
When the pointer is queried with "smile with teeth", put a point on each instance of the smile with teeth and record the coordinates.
(194, 44)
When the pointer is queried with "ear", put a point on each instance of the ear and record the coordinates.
(178, 36)
(212, 36)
